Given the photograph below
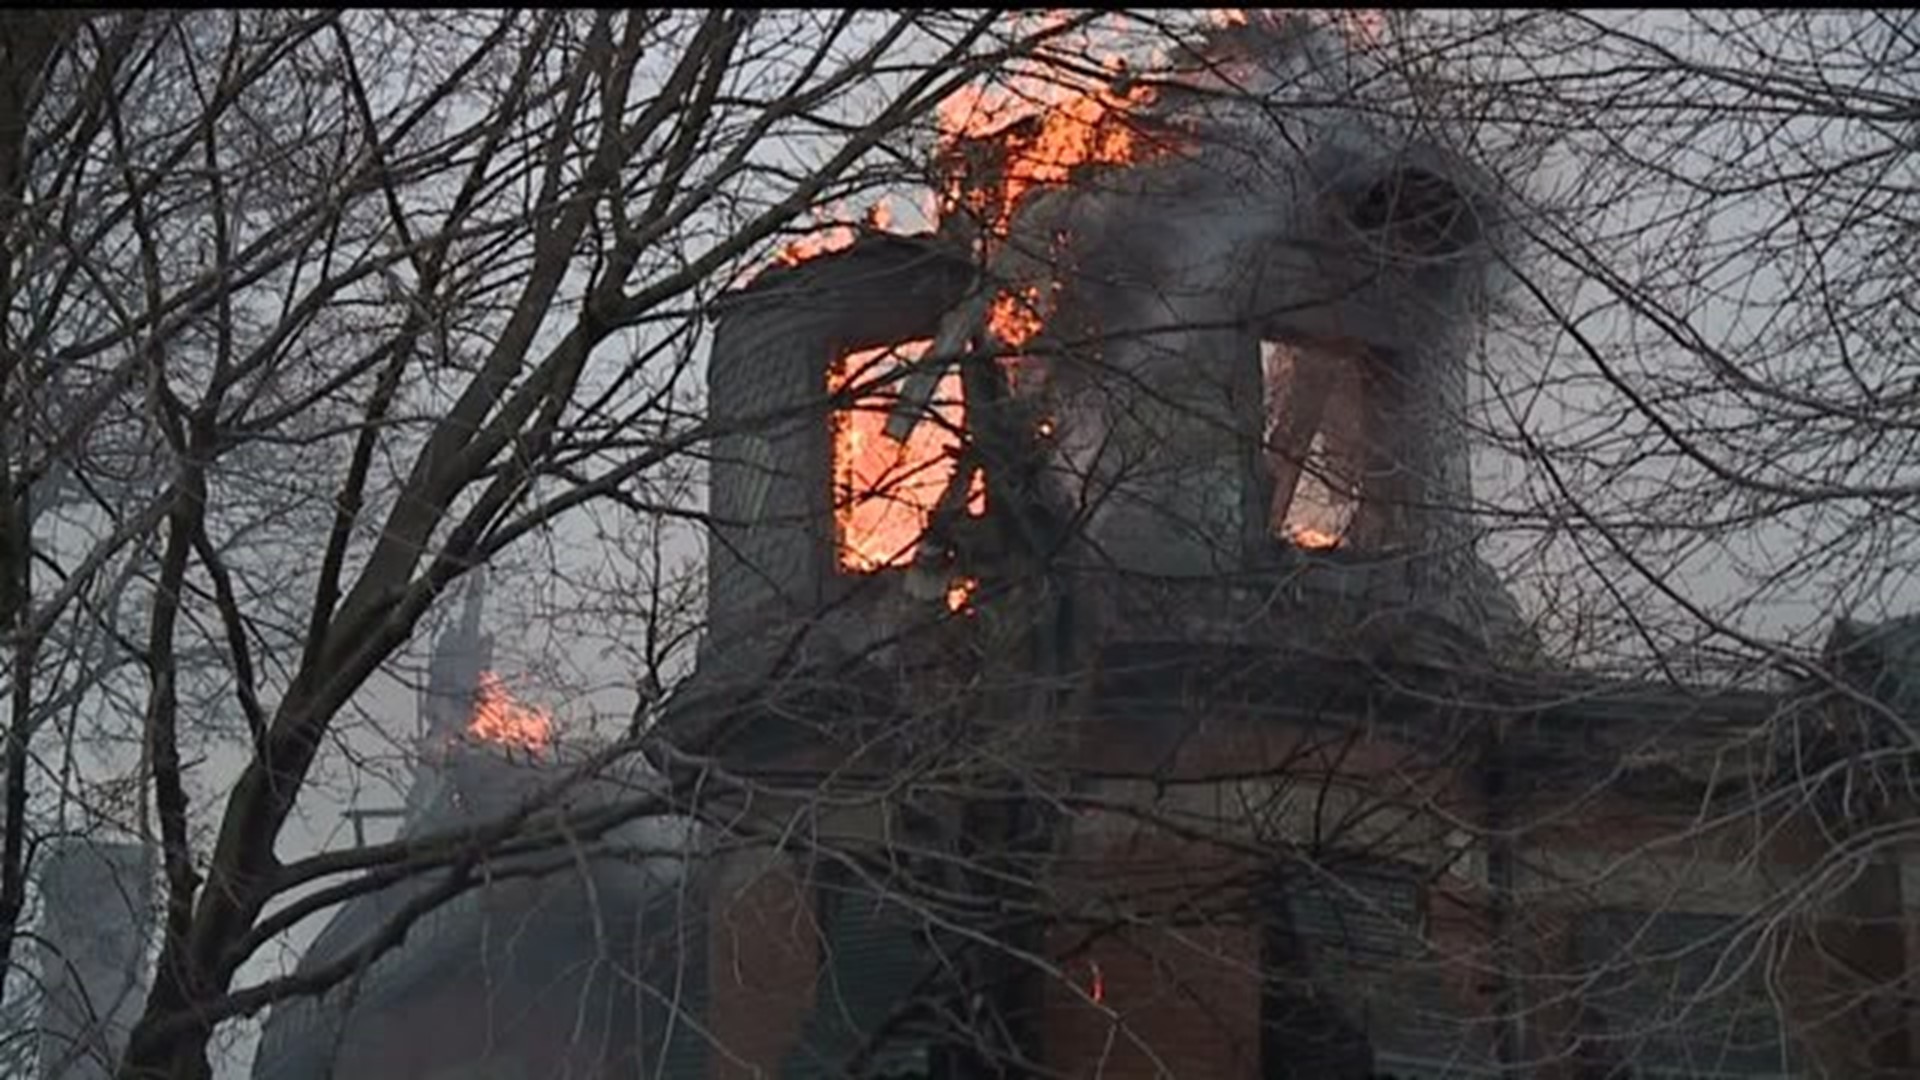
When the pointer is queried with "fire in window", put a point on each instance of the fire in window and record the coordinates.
(1313, 443)
(885, 491)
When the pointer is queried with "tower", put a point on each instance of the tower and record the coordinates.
(1191, 424)
(513, 964)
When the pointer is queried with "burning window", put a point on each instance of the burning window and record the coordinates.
(885, 492)
(1313, 410)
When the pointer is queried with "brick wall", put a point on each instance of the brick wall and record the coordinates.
(764, 949)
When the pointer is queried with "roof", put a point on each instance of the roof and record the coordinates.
(512, 929)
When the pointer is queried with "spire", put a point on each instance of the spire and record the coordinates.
(460, 654)
(93, 939)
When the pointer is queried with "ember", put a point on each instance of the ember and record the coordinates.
(498, 718)
(1015, 317)
(1312, 539)
(960, 593)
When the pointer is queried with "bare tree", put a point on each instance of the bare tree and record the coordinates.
(309, 314)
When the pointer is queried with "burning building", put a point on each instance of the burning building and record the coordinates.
(1180, 379)
(1155, 457)
(1100, 669)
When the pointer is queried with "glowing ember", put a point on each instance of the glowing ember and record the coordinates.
(1015, 316)
(885, 492)
(960, 593)
(498, 718)
(1312, 539)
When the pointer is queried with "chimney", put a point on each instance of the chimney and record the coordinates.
(98, 898)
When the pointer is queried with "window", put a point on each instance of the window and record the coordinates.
(873, 964)
(884, 491)
(1313, 441)
(1667, 998)
(1366, 916)
(1341, 951)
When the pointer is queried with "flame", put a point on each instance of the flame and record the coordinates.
(498, 718)
(960, 593)
(1312, 539)
(1363, 27)
(885, 492)
(1042, 129)
(815, 244)
(1009, 141)
(836, 229)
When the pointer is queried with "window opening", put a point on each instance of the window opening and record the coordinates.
(1312, 443)
(1667, 1000)
(885, 491)
(1349, 975)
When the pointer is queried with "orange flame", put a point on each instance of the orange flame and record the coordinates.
(498, 718)
(885, 492)
(815, 244)
(1000, 143)
(1312, 539)
(835, 229)
(1043, 130)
